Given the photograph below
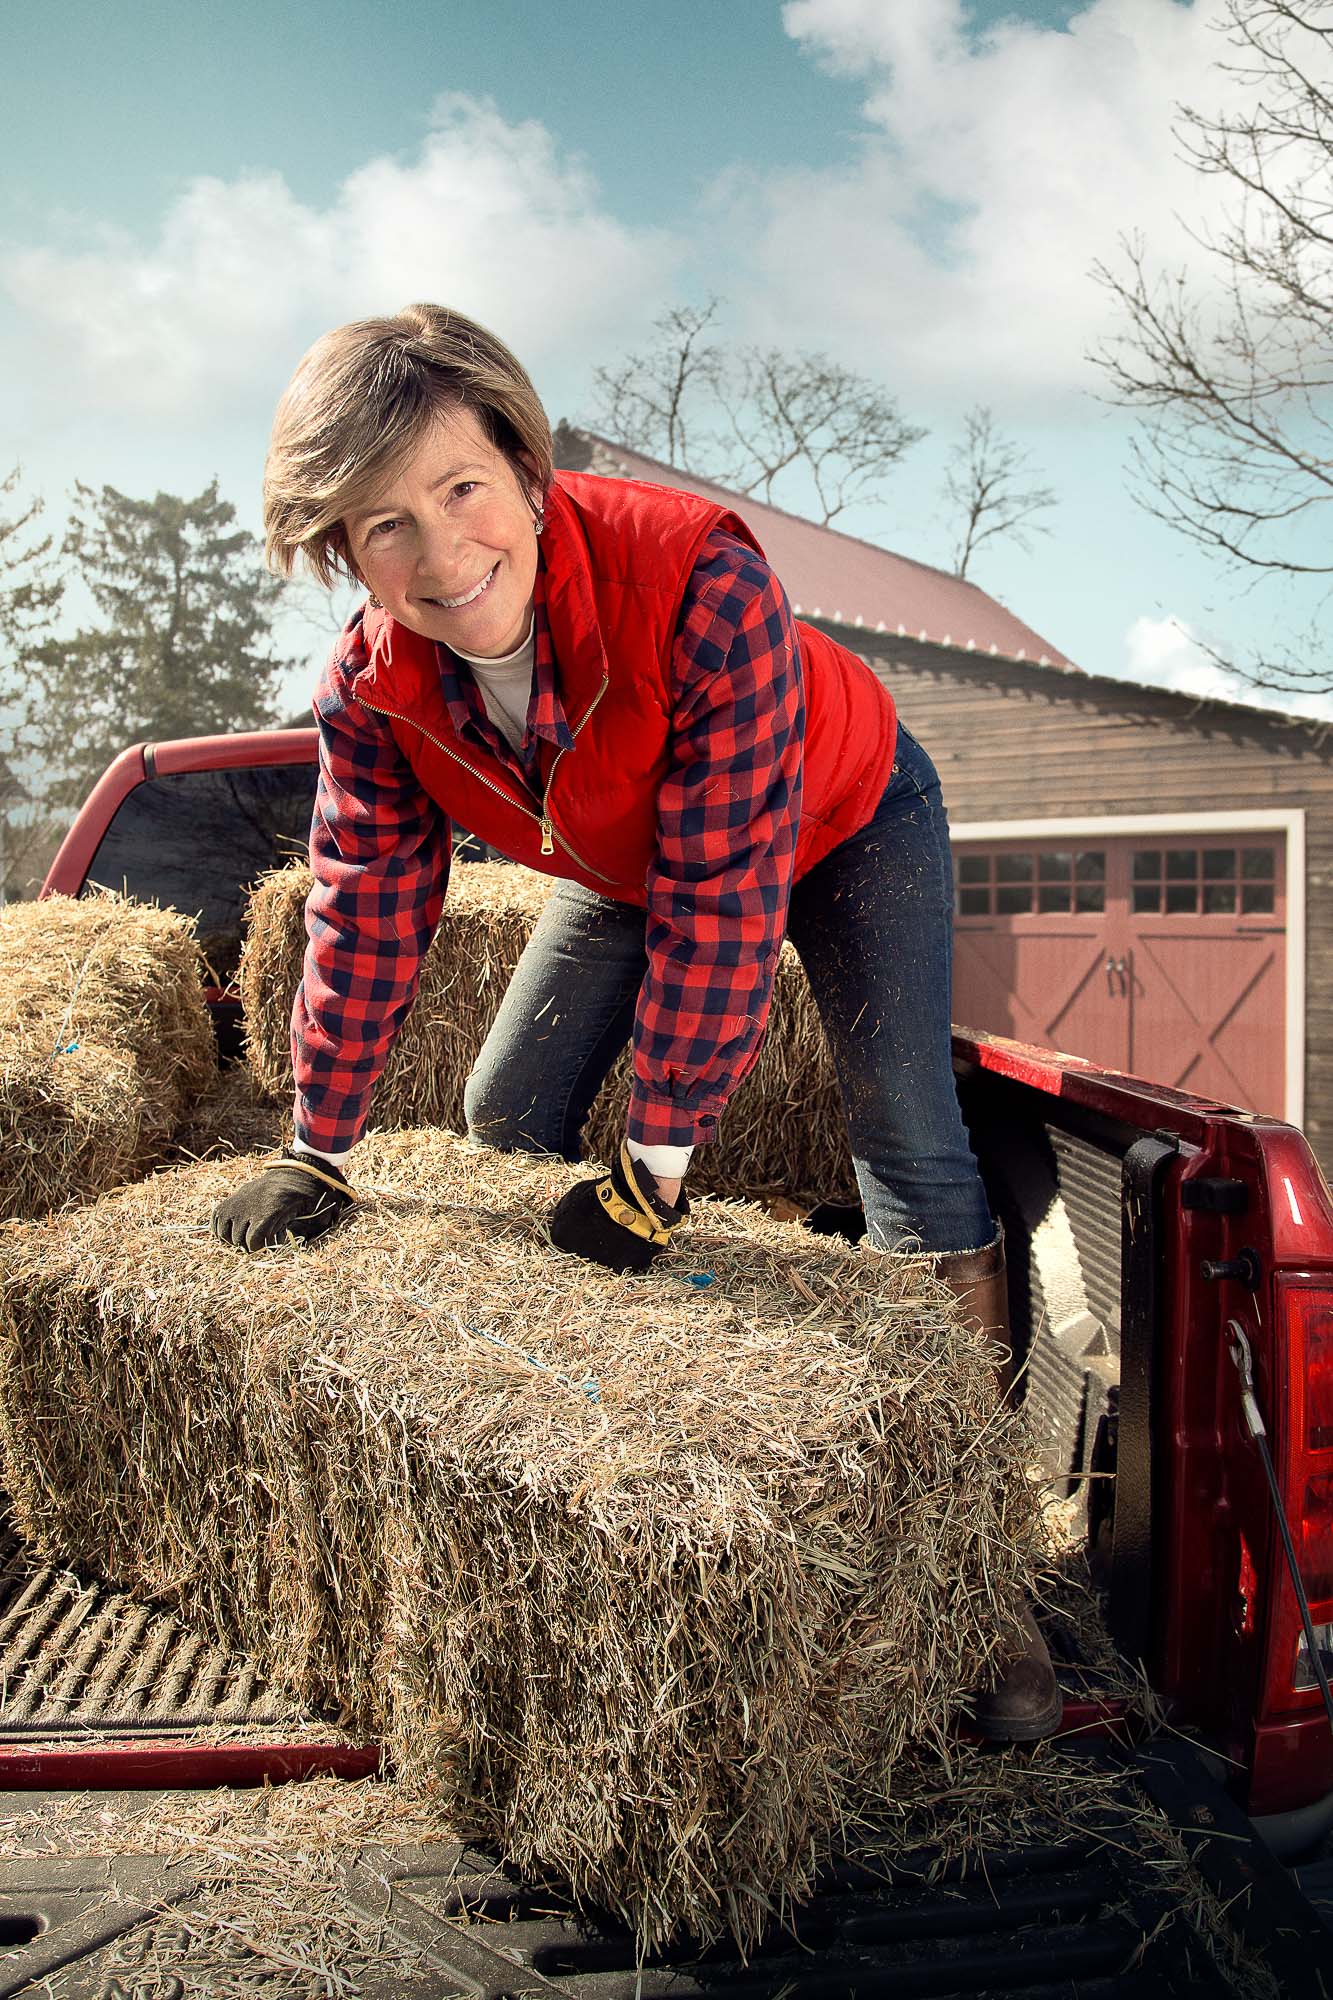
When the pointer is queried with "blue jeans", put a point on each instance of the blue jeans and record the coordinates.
(873, 925)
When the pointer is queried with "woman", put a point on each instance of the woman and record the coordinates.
(605, 681)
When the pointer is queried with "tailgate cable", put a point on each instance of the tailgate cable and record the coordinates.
(1254, 1424)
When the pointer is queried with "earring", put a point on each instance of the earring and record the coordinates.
(374, 602)
(538, 523)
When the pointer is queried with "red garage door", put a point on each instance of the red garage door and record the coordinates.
(1160, 955)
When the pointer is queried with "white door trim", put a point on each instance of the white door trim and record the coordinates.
(1288, 821)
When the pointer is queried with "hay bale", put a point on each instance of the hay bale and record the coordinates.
(651, 1582)
(783, 1133)
(488, 917)
(69, 1126)
(234, 1116)
(106, 1040)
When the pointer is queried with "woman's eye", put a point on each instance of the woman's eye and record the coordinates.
(465, 486)
(384, 527)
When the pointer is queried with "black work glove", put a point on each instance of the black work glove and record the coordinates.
(620, 1220)
(292, 1196)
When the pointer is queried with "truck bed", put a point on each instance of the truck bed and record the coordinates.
(161, 1893)
(1086, 1867)
(114, 1716)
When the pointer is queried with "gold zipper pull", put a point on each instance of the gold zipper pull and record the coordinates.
(548, 836)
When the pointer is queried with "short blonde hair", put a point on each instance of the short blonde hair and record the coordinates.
(357, 406)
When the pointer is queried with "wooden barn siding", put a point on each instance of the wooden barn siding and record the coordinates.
(1016, 742)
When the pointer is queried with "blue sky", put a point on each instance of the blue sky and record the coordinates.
(920, 188)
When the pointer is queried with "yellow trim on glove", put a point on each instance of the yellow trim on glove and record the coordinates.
(641, 1221)
(291, 1160)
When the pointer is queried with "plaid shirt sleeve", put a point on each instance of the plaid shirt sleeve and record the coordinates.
(379, 848)
(728, 811)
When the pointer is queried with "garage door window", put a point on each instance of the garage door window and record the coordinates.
(1014, 885)
(1203, 881)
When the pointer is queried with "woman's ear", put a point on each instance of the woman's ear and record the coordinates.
(530, 473)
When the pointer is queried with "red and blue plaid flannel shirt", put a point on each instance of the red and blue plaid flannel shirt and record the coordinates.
(728, 810)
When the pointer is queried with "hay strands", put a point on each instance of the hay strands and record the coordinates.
(784, 1134)
(590, 1387)
(104, 1044)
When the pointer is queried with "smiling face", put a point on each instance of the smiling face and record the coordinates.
(449, 546)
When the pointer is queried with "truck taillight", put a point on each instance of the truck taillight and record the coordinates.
(1305, 1319)
(1310, 1325)
(1314, 1539)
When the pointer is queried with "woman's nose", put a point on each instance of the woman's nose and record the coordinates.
(437, 547)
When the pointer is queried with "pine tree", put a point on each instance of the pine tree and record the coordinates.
(30, 593)
(30, 585)
(185, 642)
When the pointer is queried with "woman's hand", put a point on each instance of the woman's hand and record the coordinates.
(291, 1196)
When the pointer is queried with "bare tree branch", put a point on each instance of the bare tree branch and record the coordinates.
(751, 416)
(788, 409)
(983, 482)
(644, 400)
(1231, 381)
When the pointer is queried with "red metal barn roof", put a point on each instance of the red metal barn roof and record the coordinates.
(836, 577)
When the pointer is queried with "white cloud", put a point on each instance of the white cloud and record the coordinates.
(1169, 653)
(955, 251)
(490, 217)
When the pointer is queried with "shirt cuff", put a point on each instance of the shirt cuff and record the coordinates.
(665, 1121)
(670, 1163)
(320, 1153)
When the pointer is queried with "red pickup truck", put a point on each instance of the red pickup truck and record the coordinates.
(1172, 1276)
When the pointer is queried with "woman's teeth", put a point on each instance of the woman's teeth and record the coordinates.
(469, 597)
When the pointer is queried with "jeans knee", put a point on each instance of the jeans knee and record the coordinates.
(494, 1118)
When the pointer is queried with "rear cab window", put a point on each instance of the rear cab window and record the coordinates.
(200, 840)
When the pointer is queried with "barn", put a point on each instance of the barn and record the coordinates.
(1144, 878)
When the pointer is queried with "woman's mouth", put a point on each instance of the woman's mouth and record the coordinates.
(468, 596)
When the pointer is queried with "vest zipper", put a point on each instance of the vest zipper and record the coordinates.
(543, 818)
(548, 827)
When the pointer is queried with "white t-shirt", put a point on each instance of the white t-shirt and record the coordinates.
(506, 687)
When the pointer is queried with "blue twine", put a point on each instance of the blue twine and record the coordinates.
(591, 1388)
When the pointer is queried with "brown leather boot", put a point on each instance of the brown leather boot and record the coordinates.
(1025, 1704)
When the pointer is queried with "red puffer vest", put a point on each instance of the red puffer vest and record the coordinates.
(618, 556)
